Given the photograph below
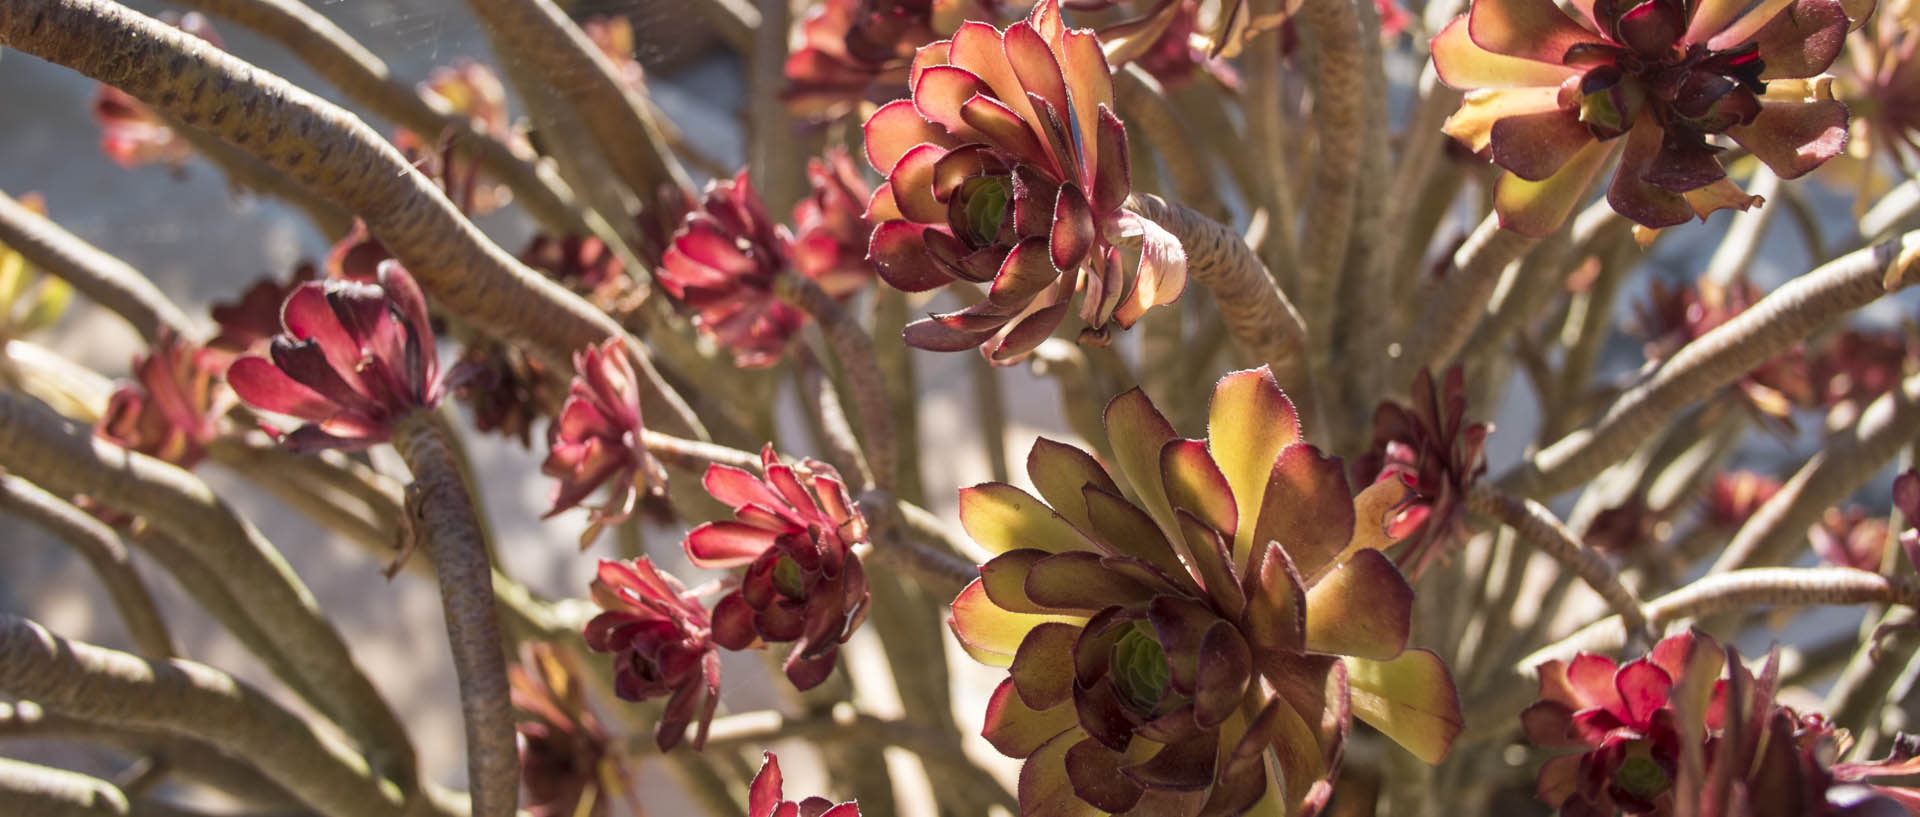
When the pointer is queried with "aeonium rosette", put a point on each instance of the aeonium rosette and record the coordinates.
(1553, 97)
(1007, 167)
(1158, 647)
(353, 360)
(794, 529)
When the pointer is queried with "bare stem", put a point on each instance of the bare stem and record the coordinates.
(1066, 363)
(694, 455)
(1538, 527)
(1262, 320)
(339, 157)
(1741, 590)
(96, 543)
(750, 730)
(248, 173)
(1340, 122)
(820, 402)
(347, 65)
(65, 458)
(44, 791)
(1145, 104)
(185, 757)
(192, 700)
(854, 351)
(1721, 356)
(446, 523)
(1849, 458)
(539, 34)
(1458, 301)
(104, 279)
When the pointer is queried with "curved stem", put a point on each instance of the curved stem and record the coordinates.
(186, 758)
(193, 700)
(1262, 320)
(1144, 103)
(853, 349)
(538, 34)
(65, 458)
(96, 543)
(1457, 302)
(1745, 233)
(1539, 527)
(246, 172)
(445, 522)
(1849, 458)
(44, 791)
(1721, 356)
(104, 279)
(757, 729)
(1340, 125)
(694, 455)
(339, 157)
(820, 402)
(360, 75)
(1741, 590)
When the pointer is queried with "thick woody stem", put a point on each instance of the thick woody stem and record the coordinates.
(539, 34)
(347, 65)
(1145, 104)
(1719, 357)
(1740, 590)
(752, 730)
(65, 458)
(990, 408)
(1340, 122)
(193, 700)
(104, 279)
(820, 402)
(853, 349)
(96, 543)
(1538, 527)
(1080, 401)
(1458, 301)
(1851, 456)
(185, 758)
(246, 172)
(43, 791)
(338, 156)
(1262, 320)
(446, 524)
(694, 455)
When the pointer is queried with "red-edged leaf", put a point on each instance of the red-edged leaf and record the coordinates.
(1362, 607)
(1464, 65)
(895, 129)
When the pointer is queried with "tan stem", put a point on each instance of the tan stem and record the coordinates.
(820, 402)
(1538, 527)
(1262, 320)
(1144, 104)
(104, 279)
(1782, 318)
(448, 527)
(65, 458)
(853, 349)
(1457, 302)
(752, 730)
(186, 758)
(360, 75)
(1740, 590)
(339, 157)
(1777, 531)
(193, 700)
(539, 34)
(246, 172)
(32, 790)
(97, 544)
(1340, 124)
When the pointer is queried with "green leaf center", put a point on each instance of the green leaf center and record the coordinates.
(1140, 669)
(789, 579)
